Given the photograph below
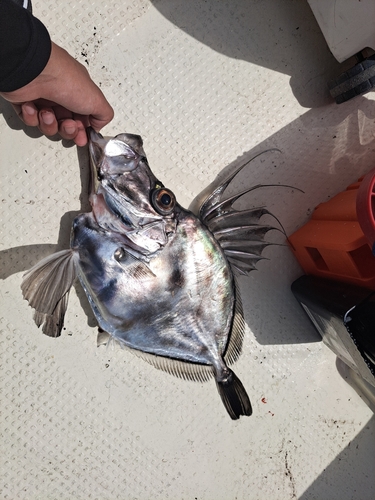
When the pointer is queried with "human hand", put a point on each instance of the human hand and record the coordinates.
(62, 99)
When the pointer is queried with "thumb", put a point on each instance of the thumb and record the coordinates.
(102, 116)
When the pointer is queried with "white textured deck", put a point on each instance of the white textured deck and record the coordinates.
(204, 83)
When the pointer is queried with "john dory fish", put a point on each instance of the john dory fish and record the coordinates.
(159, 278)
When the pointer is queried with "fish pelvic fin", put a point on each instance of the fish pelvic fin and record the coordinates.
(234, 396)
(46, 287)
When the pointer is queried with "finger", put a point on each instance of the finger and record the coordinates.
(81, 137)
(68, 128)
(103, 116)
(75, 129)
(28, 113)
(47, 122)
(61, 113)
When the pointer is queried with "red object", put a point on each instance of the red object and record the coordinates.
(337, 243)
(366, 207)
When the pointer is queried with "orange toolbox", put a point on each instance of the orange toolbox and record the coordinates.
(338, 241)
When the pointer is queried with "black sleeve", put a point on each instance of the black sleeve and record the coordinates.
(25, 46)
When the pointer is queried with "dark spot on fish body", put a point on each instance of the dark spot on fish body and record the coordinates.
(107, 291)
(78, 222)
(90, 261)
(199, 311)
(92, 267)
(226, 274)
(210, 256)
(177, 277)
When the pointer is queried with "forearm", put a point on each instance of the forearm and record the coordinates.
(47, 87)
(25, 46)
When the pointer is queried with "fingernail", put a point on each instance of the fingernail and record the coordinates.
(69, 129)
(48, 118)
(28, 109)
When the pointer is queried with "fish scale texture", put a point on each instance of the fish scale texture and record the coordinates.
(207, 85)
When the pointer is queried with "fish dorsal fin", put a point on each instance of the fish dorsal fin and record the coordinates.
(46, 287)
(239, 232)
(212, 195)
(234, 347)
(182, 369)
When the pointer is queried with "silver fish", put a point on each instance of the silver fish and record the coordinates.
(160, 280)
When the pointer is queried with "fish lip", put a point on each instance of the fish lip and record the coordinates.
(93, 135)
(96, 140)
(96, 146)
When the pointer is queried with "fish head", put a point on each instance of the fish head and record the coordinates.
(126, 194)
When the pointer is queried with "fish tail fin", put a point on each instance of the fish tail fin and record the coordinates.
(46, 287)
(234, 396)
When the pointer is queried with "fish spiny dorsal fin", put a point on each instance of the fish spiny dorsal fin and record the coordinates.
(46, 287)
(227, 217)
(243, 245)
(255, 246)
(239, 232)
(236, 336)
(226, 205)
(241, 268)
(212, 194)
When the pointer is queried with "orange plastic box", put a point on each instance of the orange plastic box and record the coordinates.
(332, 244)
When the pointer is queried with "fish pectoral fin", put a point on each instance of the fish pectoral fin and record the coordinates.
(139, 270)
(46, 287)
(53, 323)
(234, 396)
(133, 267)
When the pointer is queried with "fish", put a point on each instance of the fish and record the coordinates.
(161, 280)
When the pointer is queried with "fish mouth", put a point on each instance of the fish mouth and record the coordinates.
(96, 141)
(115, 155)
(96, 153)
(93, 135)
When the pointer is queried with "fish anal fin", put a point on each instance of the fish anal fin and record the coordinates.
(234, 396)
(182, 369)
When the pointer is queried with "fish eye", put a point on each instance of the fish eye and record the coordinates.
(163, 201)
